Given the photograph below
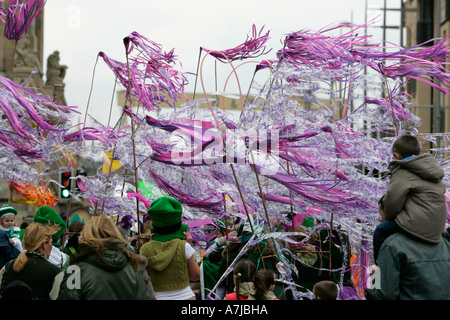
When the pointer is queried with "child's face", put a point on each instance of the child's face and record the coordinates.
(8, 221)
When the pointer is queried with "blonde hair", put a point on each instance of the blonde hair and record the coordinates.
(100, 228)
(35, 236)
(96, 230)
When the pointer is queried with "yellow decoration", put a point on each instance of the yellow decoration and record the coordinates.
(107, 164)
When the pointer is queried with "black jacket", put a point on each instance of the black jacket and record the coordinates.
(38, 274)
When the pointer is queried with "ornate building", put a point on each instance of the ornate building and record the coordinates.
(23, 62)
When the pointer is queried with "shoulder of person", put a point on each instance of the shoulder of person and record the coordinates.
(398, 240)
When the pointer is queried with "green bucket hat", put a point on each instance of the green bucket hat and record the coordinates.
(165, 213)
(7, 210)
(45, 215)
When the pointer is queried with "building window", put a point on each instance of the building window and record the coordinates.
(425, 25)
(412, 87)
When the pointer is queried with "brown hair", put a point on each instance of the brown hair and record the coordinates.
(406, 146)
(325, 290)
(244, 271)
(35, 236)
(264, 278)
(312, 238)
(76, 226)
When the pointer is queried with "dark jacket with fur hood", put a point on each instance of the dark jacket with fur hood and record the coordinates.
(415, 197)
(111, 275)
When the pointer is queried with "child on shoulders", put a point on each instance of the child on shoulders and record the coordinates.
(415, 198)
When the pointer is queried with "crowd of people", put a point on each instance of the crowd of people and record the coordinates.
(100, 258)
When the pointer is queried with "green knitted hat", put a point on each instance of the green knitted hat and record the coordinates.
(6, 210)
(45, 215)
(165, 213)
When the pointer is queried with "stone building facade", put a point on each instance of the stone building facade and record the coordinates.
(425, 20)
(23, 62)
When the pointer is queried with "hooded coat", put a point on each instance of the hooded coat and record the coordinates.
(415, 197)
(109, 276)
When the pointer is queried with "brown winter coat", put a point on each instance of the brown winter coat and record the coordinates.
(415, 197)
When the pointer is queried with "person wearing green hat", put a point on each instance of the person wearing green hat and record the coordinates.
(75, 226)
(171, 261)
(47, 215)
(8, 224)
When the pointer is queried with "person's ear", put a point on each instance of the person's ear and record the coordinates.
(397, 156)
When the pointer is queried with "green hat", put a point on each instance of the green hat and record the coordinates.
(75, 218)
(45, 215)
(165, 213)
(308, 222)
(7, 210)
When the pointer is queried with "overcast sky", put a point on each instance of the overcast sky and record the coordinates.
(80, 29)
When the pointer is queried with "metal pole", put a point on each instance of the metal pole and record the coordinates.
(402, 19)
(365, 66)
(384, 26)
(437, 94)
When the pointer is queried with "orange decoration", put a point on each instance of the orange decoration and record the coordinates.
(33, 195)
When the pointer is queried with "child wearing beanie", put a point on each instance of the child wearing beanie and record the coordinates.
(8, 224)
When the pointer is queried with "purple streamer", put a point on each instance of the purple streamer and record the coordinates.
(18, 16)
(184, 198)
(253, 47)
